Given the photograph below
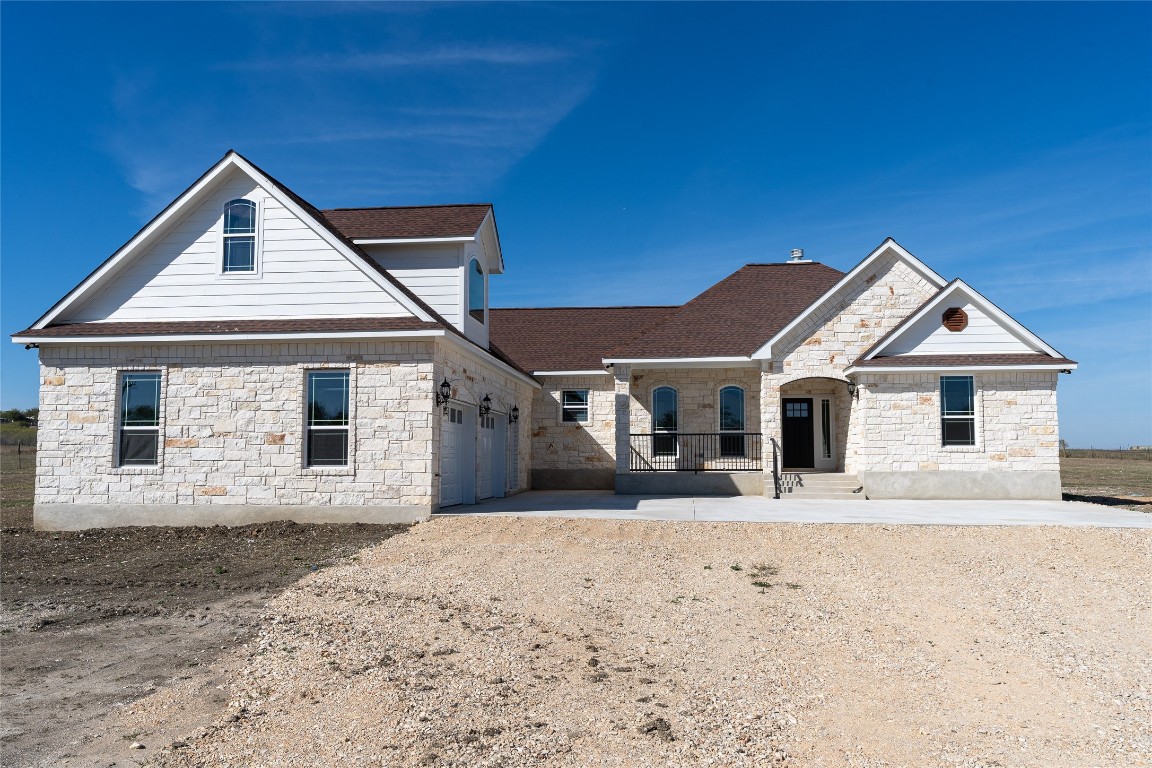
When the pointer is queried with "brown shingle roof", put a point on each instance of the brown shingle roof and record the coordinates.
(308, 325)
(955, 361)
(409, 221)
(567, 338)
(736, 316)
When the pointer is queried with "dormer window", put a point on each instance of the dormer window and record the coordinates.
(239, 236)
(476, 290)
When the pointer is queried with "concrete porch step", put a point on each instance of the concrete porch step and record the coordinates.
(820, 485)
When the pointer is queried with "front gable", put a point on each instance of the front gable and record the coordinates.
(871, 300)
(959, 321)
(172, 270)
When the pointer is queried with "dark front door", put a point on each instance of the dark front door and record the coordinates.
(797, 433)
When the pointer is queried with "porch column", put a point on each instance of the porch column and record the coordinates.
(622, 375)
(769, 419)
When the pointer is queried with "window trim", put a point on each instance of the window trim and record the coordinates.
(483, 277)
(348, 428)
(958, 416)
(672, 432)
(732, 447)
(119, 427)
(256, 234)
(565, 408)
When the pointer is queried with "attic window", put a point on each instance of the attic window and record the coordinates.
(955, 319)
(476, 290)
(239, 236)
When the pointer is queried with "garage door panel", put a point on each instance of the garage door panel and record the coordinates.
(452, 458)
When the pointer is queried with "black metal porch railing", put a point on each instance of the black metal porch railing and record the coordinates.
(695, 452)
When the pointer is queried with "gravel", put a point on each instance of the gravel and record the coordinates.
(514, 642)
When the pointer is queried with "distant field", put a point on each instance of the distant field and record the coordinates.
(17, 476)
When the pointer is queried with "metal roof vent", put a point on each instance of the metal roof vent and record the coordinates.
(798, 257)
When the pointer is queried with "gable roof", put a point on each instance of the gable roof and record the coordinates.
(735, 316)
(567, 338)
(948, 292)
(408, 221)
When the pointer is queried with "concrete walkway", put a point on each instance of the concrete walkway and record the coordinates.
(760, 509)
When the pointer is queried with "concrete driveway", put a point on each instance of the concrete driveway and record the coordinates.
(607, 505)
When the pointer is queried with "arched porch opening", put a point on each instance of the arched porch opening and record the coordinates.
(814, 415)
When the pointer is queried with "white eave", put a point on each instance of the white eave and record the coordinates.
(685, 362)
(598, 372)
(853, 369)
(414, 240)
(765, 352)
(225, 338)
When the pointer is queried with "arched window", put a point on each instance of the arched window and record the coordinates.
(732, 420)
(664, 421)
(476, 290)
(239, 236)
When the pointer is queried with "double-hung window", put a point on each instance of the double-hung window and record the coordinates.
(574, 405)
(139, 428)
(731, 420)
(327, 431)
(957, 410)
(239, 236)
(664, 407)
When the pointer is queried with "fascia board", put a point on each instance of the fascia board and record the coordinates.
(955, 368)
(765, 352)
(171, 212)
(685, 362)
(224, 338)
(959, 286)
(469, 346)
(332, 240)
(413, 240)
(600, 372)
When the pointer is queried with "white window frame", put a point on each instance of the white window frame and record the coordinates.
(483, 278)
(121, 427)
(943, 416)
(565, 408)
(257, 235)
(346, 428)
(657, 431)
(720, 420)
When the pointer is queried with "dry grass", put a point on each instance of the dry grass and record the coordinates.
(17, 482)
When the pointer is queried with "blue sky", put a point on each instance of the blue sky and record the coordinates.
(636, 153)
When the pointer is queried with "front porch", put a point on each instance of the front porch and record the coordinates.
(687, 431)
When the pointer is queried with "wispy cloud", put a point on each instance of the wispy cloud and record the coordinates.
(444, 56)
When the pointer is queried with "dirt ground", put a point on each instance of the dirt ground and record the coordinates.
(92, 620)
(95, 625)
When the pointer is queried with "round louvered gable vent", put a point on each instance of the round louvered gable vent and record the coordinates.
(955, 319)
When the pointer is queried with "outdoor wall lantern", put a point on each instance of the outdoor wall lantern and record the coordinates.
(514, 415)
(852, 389)
(444, 394)
(486, 405)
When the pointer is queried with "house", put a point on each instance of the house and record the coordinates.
(248, 357)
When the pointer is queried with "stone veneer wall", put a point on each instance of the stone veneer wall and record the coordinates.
(698, 396)
(835, 335)
(471, 380)
(232, 419)
(574, 454)
(1016, 423)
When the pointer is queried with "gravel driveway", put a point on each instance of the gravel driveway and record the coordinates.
(516, 642)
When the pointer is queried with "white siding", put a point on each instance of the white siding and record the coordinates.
(984, 335)
(430, 272)
(179, 278)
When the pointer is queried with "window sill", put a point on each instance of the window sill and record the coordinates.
(157, 469)
(345, 471)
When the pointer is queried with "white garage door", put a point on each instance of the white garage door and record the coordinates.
(452, 458)
(485, 458)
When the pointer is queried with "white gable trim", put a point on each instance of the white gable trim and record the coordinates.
(179, 208)
(601, 372)
(412, 240)
(987, 307)
(765, 352)
(224, 338)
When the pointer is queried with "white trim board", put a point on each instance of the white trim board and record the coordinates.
(948, 369)
(685, 362)
(889, 245)
(600, 372)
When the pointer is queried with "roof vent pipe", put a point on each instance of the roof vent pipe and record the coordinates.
(797, 256)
